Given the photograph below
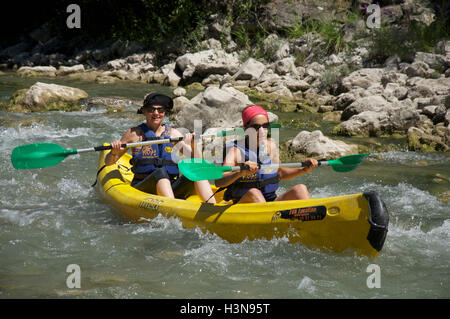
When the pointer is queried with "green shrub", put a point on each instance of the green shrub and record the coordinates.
(405, 40)
(330, 31)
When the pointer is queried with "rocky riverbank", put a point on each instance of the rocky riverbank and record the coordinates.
(399, 96)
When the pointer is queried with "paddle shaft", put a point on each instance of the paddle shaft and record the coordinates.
(299, 164)
(108, 147)
(152, 142)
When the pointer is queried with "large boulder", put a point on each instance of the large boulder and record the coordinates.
(420, 87)
(369, 103)
(363, 78)
(419, 68)
(435, 61)
(66, 70)
(379, 122)
(250, 70)
(216, 108)
(45, 97)
(315, 144)
(46, 71)
(195, 66)
(427, 141)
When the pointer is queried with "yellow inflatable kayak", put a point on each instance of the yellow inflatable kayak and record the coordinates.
(356, 223)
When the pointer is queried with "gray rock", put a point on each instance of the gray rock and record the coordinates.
(211, 44)
(363, 78)
(442, 47)
(250, 70)
(296, 85)
(215, 107)
(439, 114)
(43, 97)
(370, 103)
(275, 48)
(37, 71)
(204, 63)
(377, 123)
(315, 144)
(179, 91)
(343, 100)
(172, 77)
(435, 61)
(447, 102)
(178, 103)
(66, 70)
(285, 66)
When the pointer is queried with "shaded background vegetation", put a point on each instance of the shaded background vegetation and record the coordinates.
(176, 25)
(148, 21)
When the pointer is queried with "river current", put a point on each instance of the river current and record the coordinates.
(51, 218)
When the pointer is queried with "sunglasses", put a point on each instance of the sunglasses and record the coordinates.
(258, 126)
(152, 109)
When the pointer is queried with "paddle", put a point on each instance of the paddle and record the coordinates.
(197, 169)
(41, 155)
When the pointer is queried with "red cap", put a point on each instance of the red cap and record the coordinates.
(251, 111)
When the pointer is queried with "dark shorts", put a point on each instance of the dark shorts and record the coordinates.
(181, 186)
(269, 197)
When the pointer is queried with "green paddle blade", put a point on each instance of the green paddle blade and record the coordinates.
(347, 163)
(275, 125)
(197, 169)
(39, 155)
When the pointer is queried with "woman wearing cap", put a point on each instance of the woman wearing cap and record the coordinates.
(154, 170)
(258, 185)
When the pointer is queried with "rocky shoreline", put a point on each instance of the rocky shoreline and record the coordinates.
(409, 98)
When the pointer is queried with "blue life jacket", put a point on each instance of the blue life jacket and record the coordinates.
(266, 180)
(148, 158)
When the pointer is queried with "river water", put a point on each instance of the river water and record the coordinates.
(51, 218)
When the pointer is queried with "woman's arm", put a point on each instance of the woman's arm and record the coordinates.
(117, 151)
(289, 172)
(231, 159)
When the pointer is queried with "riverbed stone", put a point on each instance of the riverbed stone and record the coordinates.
(197, 65)
(250, 70)
(45, 97)
(35, 71)
(363, 78)
(421, 141)
(66, 70)
(315, 144)
(215, 107)
(370, 103)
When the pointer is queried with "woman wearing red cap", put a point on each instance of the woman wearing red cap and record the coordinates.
(259, 185)
(154, 170)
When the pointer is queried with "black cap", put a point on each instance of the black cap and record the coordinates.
(157, 99)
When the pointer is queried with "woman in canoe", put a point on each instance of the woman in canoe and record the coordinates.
(255, 185)
(154, 170)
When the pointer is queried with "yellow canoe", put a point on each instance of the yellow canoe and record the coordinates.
(356, 223)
